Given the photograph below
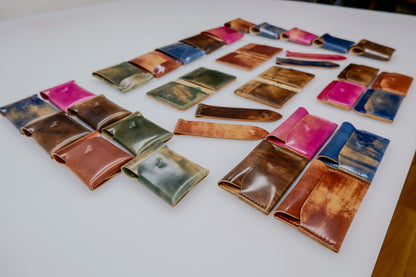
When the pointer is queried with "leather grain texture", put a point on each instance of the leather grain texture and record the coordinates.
(306, 63)
(372, 50)
(224, 34)
(267, 30)
(393, 82)
(156, 63)
(341, 94)
(240, 25)
(333, 43)
(204, 42)
(299, 36)
(182, 52)
(359, 74)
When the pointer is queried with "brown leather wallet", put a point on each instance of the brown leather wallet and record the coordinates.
(372, 50)
(359, 74)
(393, 82)
(204, 42)
(240, 25)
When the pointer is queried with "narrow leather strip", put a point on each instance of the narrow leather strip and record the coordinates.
(295, 62)
(245, 114)
(329, 57)
(219, 130)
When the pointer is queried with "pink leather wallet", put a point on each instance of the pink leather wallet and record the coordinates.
(298, 36)
(341, 94)
(225, 34)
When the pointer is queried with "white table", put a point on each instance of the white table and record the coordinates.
(52, 225)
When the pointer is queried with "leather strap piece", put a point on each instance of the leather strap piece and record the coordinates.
(307, 63)
(219, 130)
(312, 56)
(244, 114)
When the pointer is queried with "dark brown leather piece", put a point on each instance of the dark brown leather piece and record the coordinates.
(240, 25)
(359, 74)
(393, 82)
(372, 50)
(264, 175)
(204, 42)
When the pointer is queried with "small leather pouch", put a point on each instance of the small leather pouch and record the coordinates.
(166, 173)
(55, 131)
(123, 76)
(341, 94)
(219, 130)
(156, 63)
(250, 56)
(333, 43)
(93, 159)
(299, 36)
(306, 63)
(67, 94)
(393, 82)
(224, 34)
(275, 86)
(372, 50)
(379, 104)
(267, 30)
(137, 134)
(359, 74)
(98, 112)
(27, 110)
(191, 88)
(231, 113)
(240, 25)
(182, 52)
(204, 42)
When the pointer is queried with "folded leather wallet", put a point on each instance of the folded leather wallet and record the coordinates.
(372, 50)
(137, 134)
(299, 36)
(393, 82)
(306, 63)
(98, 112)
(240, 25)
(55, 131)
(341, 94)
(313, 56)
(333, 43)
(275, 86)
(123, 76)
(249, 56)
(166, 173)
(182, 52)
(27, 110)
(156, 63)
(379, 104)
(232, 113)
(191, 88)
(219, 130)
(325, 200)
(267, 30)
(204, 42)
(359, 74)
(224, 34)
(93, 159)
(66, 95)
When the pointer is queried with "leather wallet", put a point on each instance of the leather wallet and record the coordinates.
(27, 110)
(123, 76)
(333, 43)
(393, 82)
(204, 42)
(372, 50)
(219, 130)
(191, 88)
(93, 159)
(224, 34)
(306, 63)
(166, 173)
(341, 94)
(240, 25)
(249, 56)
(55, 131)
(66, 95)
(359, 74)
(156, 63)
(379, 104)
(267, 30)
(299, 36)
(137, 134)
(275, 86)
(98, 112)
(232, 113)
(182, 52)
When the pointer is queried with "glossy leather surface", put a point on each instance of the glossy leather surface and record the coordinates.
(393, 82)
(165, 172)
(208, 78)
(267, 30)
(303, 133)
(372, 50)
(98, 112)
(239, 25)
(241, 61)
(299, 36)
(259, 50)
(66, 95)
(182, 52)
(137, 134)
(123, 76)
(314, 56)
(157, 63)
(264, 175)
(378, 104)
(359, 74)
(341, 94)
(306, 63)
(55, 131)
(224, 34)
(93, 159)
(27, 110)
(291, 77)
(333, 43)
(204, 42)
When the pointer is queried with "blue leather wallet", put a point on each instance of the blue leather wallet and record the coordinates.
(333, 43)
(267, 30)
(182, 52)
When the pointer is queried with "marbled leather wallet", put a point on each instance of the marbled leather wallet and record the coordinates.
(156, 63)
(224, 34)
(204, 42)
(333, 43)
(359, 74)
(182, 52)
(267, 30)
(341, 94)
(372, 50)
(393, 82)
(239, 25)
(299, 36)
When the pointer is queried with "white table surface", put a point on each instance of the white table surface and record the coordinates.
(51, 224)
